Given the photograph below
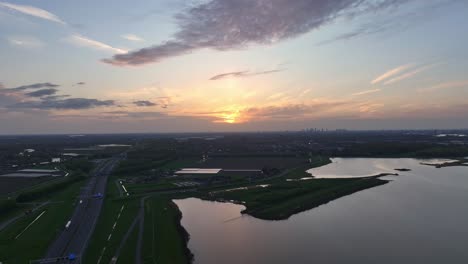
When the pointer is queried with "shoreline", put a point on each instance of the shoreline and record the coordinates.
(182, 232)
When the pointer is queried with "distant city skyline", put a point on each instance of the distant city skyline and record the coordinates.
(221, 65)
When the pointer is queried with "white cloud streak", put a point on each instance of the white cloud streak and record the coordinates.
(33, 11)
(366, 92)
(446, 85)
(132, 37)
(409, 74)
(25, 41)
(91, 43)
(391, 73)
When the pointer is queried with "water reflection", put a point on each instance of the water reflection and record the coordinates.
(420, 217)
(361, 167)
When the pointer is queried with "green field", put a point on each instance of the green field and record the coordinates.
(104, 228)
(33, 242)
(280, 200)
(127, 255)
(113, 206)
(144, 187)
(164, 239)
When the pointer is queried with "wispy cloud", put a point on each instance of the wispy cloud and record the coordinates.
(366, 92)
(33, 11)
(132, 37)
(55, 97)
(241, 74)
(25, 41)
(391, 73)
(292, 111)
(64, 104)
(369, 108)
(275, 96)
(143, 103)
(42, 92)
(75, 38)
(382, 24)
(43, 96)
(446, 85)
(227, 25)
(410, 74)
(94, 44)
(401, 73)
(34, 86)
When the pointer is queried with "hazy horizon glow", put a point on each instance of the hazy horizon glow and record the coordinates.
(222, 65)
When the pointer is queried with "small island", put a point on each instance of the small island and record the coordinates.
(402, 169)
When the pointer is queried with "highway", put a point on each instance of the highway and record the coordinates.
(75, 238)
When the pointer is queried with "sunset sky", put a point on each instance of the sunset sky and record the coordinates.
(232, 65)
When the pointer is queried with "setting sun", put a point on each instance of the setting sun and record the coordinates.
(231, 118)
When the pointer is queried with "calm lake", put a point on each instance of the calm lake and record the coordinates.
(419, 217)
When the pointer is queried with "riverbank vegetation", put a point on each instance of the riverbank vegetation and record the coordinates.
(165, 240)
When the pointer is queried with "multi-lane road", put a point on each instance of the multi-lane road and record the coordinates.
(72, 241)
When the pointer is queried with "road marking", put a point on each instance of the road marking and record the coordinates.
(110, 235)
(125, 189)
(100, 257)
(37, 218)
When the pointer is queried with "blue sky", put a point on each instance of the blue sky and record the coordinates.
(221, 65)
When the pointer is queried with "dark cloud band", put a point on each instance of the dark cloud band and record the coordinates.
(34, 86)
(144, 103)
(64, 104)
(43, 92)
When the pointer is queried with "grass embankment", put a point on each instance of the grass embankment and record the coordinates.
(11, 186)
(120, 212)
(301, 171)
(34, 241)
(281, 200)
(100, 246)
(6, 206)
(164, 240)
(44, 191)
(127, 255)
(161, 185)
(18, 210)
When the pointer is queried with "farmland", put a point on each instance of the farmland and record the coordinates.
(138, 219)
(19, 245)
(10, 185)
